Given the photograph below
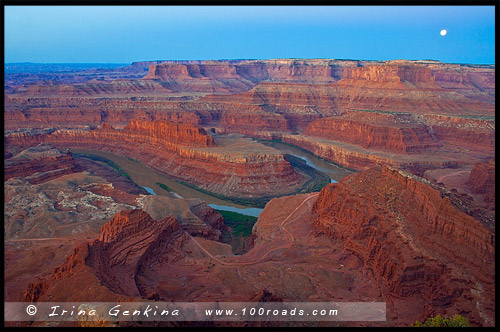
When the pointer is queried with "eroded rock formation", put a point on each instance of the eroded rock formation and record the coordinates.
(158, 131)
(40, 163)
(413, 241)
(482, 180)
(124, 243)
(398, 136)
(111, 261)
(236, 167)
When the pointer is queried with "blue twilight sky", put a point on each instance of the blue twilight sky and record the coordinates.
(123, 34)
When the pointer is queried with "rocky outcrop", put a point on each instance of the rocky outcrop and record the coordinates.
(176, 133)
(251, 123)
(474, 81)
(340, 155)
(112, 261)
(64, 112)
(482, 180)
(237, 167)
(33, 292)
(357, 158)
(402, 86)
(251, 70)
(39, 164)
(207, 214)
(237, 76)
(464, 131)
(194, 215)
(413, 241)
(397, 137)
(123, 245)
(396, 72)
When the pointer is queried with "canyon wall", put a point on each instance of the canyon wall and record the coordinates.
(238, 168)
(465, 131)
(404, 87)
(343, 156)
(392, 72)
(63, 113)
(39, 164)
(474, 81)
(176, 133)
(293, 91)
(122, 246)
(413, 241)
(109, 265)
(482, 180)
(400, 139)
(252, 70)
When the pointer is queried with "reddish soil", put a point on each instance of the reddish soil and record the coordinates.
(184, 152)
(425, 253)
(415, 228)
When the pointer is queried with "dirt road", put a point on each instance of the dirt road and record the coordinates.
(282, 224)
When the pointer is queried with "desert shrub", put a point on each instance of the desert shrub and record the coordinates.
(438, 321)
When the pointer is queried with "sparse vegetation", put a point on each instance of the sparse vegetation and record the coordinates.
(476, 117)
(110, 163)
(258, 202)
(269, 142)
(438, 321)
(134, 160)
(241, 229)
(317, 180)
(164, 187)
(240, 223)
(383, 112)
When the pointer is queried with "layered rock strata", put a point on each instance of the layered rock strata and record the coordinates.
(194, 215)
(398, 137)
(111, 262)
(123, 245)
(357, 158)
(402, 86)
(39, 164)
(463, 131)
(237, 168)
(224, 76)
(413, 241)
(482, 180)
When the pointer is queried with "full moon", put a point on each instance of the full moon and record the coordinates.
(443, 32)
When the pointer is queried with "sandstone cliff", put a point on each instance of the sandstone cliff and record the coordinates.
(413, 241)
(464, 131)
(405, 87)
(39, 164)
(482, 180)
(237, 167)
(64, 112)
(112, 261)
(251, 70)
(398, 136)
(394, 72)
(474, 81)
(124, 243)
(176, 133)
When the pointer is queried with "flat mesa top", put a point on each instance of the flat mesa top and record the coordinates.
(239, 146)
